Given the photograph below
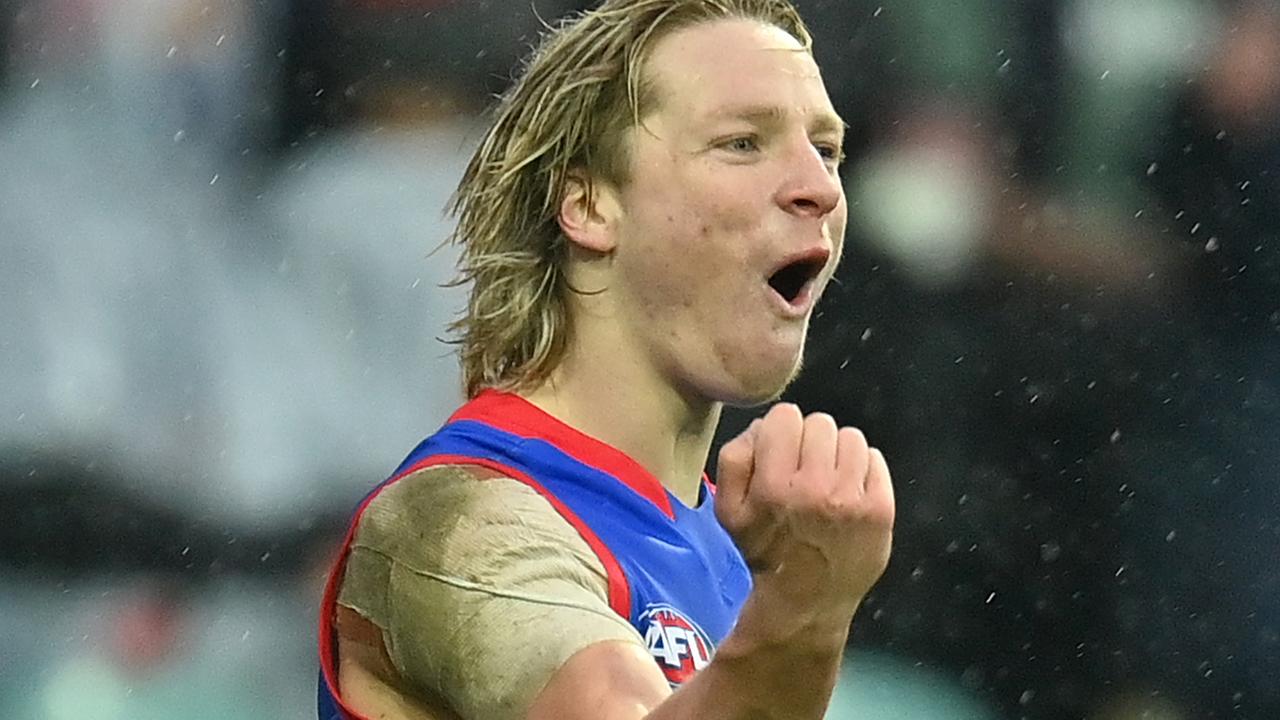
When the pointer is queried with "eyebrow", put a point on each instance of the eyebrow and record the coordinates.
(824, 121)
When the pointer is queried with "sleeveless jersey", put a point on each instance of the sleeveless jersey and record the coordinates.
(673, 571)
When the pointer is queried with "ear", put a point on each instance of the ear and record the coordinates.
(588, 210)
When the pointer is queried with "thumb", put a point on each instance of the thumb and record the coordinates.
(733, 475)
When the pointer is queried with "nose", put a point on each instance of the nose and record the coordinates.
(813, 187)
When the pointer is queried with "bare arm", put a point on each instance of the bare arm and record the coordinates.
(760, 672)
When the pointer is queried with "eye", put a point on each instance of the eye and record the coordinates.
(742, 144)
(830, 152)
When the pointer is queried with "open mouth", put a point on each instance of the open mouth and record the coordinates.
(791, 280)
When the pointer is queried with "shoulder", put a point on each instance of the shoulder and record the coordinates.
(450, 516)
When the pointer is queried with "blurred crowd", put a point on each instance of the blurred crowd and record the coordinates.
(222, 280)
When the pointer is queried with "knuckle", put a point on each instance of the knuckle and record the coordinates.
(881, 464)
(732, 451)
(786, 412)
(834, 507)
(820, 422)
(853, 435)
(769, 494)
(809, 493)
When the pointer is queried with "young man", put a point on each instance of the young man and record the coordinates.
(646, 228)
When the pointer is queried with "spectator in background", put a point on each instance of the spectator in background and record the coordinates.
(353, 289)
(1216, 171)
(147, 646)
(178, 317)
(113, 233)
(358, 218)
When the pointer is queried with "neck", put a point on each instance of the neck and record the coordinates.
(631, 407)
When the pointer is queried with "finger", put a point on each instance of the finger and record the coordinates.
(778, 446)
(818, 443)
(851, 454)
(879, 491)
(733, 476)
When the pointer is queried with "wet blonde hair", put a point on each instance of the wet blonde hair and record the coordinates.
(568, 113)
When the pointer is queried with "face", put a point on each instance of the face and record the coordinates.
(732, 219)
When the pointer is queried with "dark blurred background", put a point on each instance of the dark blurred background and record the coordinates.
(1059, 316)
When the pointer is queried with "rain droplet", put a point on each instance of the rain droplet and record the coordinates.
(34, 83)
(991, 597)
(173, 50)
(1115, 436)
(1211, 245)
(877, 12)
(1026, 697)
(1172, 534)
(1050, 551)
(1152, 168)
(1104, 74)
(1195, 228)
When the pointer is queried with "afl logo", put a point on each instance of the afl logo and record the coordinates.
(678, 645)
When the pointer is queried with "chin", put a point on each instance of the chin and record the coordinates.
(760, 388)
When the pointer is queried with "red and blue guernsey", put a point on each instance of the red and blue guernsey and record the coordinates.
(673, 571)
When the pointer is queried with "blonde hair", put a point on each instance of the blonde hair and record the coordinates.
(567, 113)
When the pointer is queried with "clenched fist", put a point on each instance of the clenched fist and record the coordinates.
(810, 506)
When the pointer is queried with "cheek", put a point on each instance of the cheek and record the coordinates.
(691, 236)
(839, 221)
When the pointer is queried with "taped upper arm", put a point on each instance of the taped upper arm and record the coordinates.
(482, 591)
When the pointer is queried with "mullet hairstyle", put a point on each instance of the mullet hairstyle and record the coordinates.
(566, 116)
